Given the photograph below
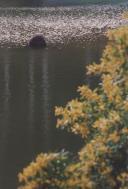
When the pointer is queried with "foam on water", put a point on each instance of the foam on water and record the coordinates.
(60, 25)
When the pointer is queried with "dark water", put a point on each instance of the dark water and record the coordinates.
(33, 82)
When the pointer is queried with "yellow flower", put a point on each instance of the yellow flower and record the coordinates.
(30, 185)
(102, 124)
(111, 90)
(125, 105)
(114, 117)
(41, 162)
(125, 130)
(80, 129)
(87, 93)
(114, 137)
(105, 170)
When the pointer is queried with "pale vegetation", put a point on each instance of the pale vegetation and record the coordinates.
(100, 117)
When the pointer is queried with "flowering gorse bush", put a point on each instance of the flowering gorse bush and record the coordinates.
(100, 117)
(46, 171)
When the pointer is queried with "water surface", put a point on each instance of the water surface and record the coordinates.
(32, 82)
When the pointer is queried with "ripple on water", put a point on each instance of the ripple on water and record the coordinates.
(60, 25)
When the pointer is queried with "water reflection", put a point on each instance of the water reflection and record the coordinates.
(5, 116)
(38, 92)
(46, 101)
(6, 98)
(31, 99)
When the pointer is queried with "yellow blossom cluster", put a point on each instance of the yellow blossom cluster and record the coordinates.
(100, 117)
(105, 109)
(111, 89)
(87, 93)
(34, 169)
(30, 185)
(123, 178)
(71, 114)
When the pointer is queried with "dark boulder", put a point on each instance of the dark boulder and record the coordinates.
(37, 41)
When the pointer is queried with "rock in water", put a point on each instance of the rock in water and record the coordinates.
(37, 41)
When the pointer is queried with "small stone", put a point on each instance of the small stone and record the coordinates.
(37, 41)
